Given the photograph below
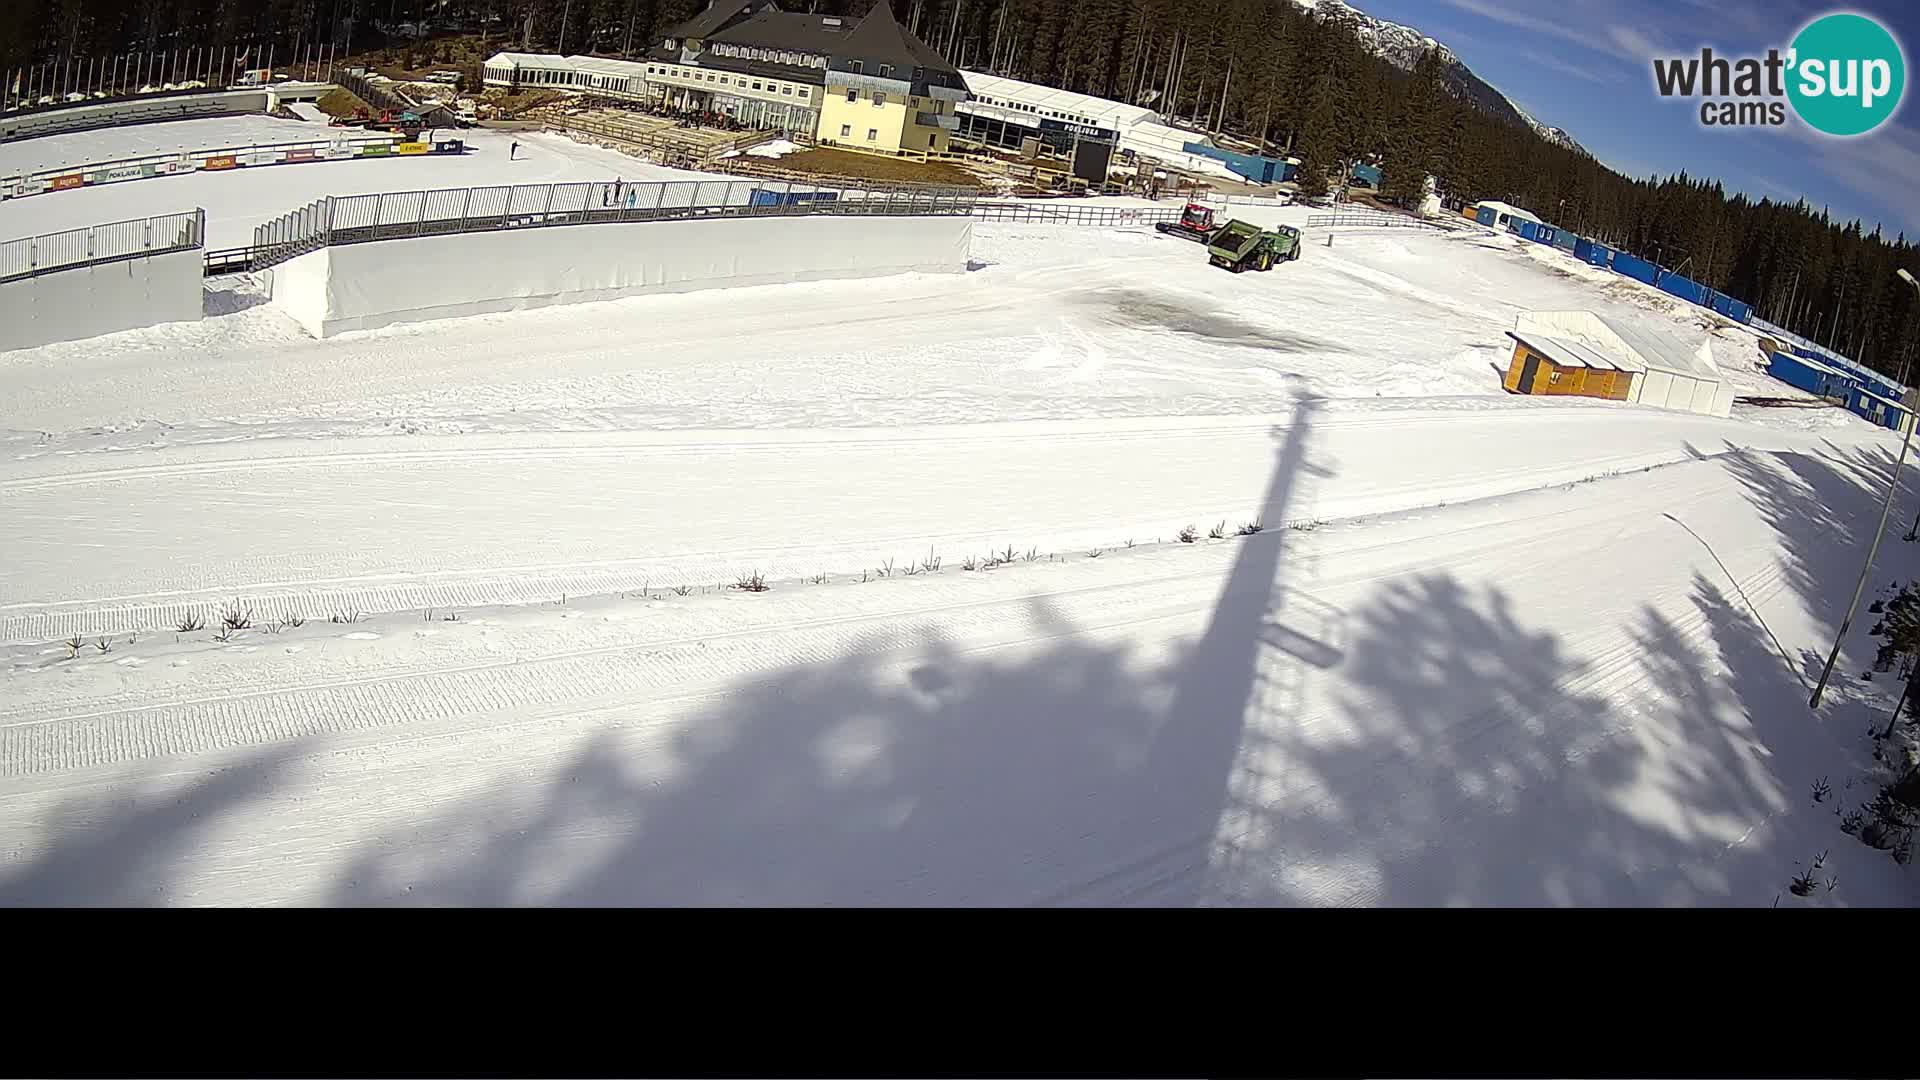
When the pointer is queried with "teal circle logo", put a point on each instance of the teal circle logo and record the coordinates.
(1847, 74)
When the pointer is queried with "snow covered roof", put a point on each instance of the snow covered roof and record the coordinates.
(1623, 342)
(605, 66)
(1566, 352)
(1814, 364)
(1888, 402)
(1507, 209)
(521, 59)
(1058, 104)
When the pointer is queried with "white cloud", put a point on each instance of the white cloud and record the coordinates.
(1619, 41)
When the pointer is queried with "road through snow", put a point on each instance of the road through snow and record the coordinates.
(1573, 696)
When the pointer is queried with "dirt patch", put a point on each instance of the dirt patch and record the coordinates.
(1195, 317)
(873, 167)
(341, 103)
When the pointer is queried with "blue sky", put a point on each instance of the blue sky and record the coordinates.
(1586, 66)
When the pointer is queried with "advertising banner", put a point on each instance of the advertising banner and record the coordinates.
(373, 149)
(9, 187)
(63, 183)
(305, 153)
(125, 172)
(223, 161)
(411, 148)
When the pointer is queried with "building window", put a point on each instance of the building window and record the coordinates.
(804, 92)
(853, 94)
(756, 84)
(855, 66)
(787, 90)
(846, 131)
(879, 99)
(872, 134)
(886, 71)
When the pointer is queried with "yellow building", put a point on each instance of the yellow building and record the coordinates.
(865, 84)
(1550, 365)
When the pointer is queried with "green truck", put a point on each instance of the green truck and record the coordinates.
(1240, 246)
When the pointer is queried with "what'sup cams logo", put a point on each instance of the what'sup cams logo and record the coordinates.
(1843, 75)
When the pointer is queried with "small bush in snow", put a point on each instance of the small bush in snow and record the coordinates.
(754, 582)
(351, 615)
(1094, 554)
(1821, 790)
(296, 619)
(970, 563)
(931, 563)
(1033, 554)
(1804, 883)
(1218, 532)
(1189, 534)
(818, 579)
(73, 645)
(682, 590)
(1250, 527)
(235, 617)
(225, 634)
(191, 623)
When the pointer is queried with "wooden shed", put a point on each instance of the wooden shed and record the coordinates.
(1543, 364)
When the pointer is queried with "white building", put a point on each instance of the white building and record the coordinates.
(624, 79)
(1002, 111)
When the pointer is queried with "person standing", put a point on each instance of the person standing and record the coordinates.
(513, 151)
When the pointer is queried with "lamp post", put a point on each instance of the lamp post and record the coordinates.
(1893, 486)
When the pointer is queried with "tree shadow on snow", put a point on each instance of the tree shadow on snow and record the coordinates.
(1422, 746)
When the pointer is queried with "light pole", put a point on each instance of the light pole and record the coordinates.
(1893, 486)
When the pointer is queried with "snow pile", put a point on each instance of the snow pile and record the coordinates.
(775, 149)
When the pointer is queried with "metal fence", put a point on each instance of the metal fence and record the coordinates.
(35, 255)
(1072, 215)
(354, 219)
(1371, 218)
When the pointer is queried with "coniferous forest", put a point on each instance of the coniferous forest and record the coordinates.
(1261, 70)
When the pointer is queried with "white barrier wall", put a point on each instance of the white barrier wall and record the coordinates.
(363, 286)
(133, 111)
(67, 305)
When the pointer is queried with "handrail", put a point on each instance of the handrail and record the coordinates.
(71, 249)
(359, 219)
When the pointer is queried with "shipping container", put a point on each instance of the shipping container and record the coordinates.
(1565, 241)
(1683, 287)
(1635, 268)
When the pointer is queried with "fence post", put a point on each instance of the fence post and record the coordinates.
(465, 205)
(149, 241)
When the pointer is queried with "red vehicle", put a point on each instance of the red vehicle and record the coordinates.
(1196, 223)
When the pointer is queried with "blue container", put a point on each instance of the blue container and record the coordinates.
(1737, 310)
(1367, 174)
(1484, 215)
(1683, 287)
(1877, 409)
(1259, 169)
(1637, 269)
(1565, 240)
(1794, 371)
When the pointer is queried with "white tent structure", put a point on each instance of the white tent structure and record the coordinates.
(1669, 372)
(1138, 129)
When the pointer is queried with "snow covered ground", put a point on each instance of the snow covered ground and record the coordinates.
(1484, 650)
(240, 199)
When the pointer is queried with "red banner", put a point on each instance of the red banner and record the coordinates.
(307, 154)
(62, 183)
(225, 161)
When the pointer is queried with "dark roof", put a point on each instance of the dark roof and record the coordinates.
(771, 28)
(716, 15)
(880, 39)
